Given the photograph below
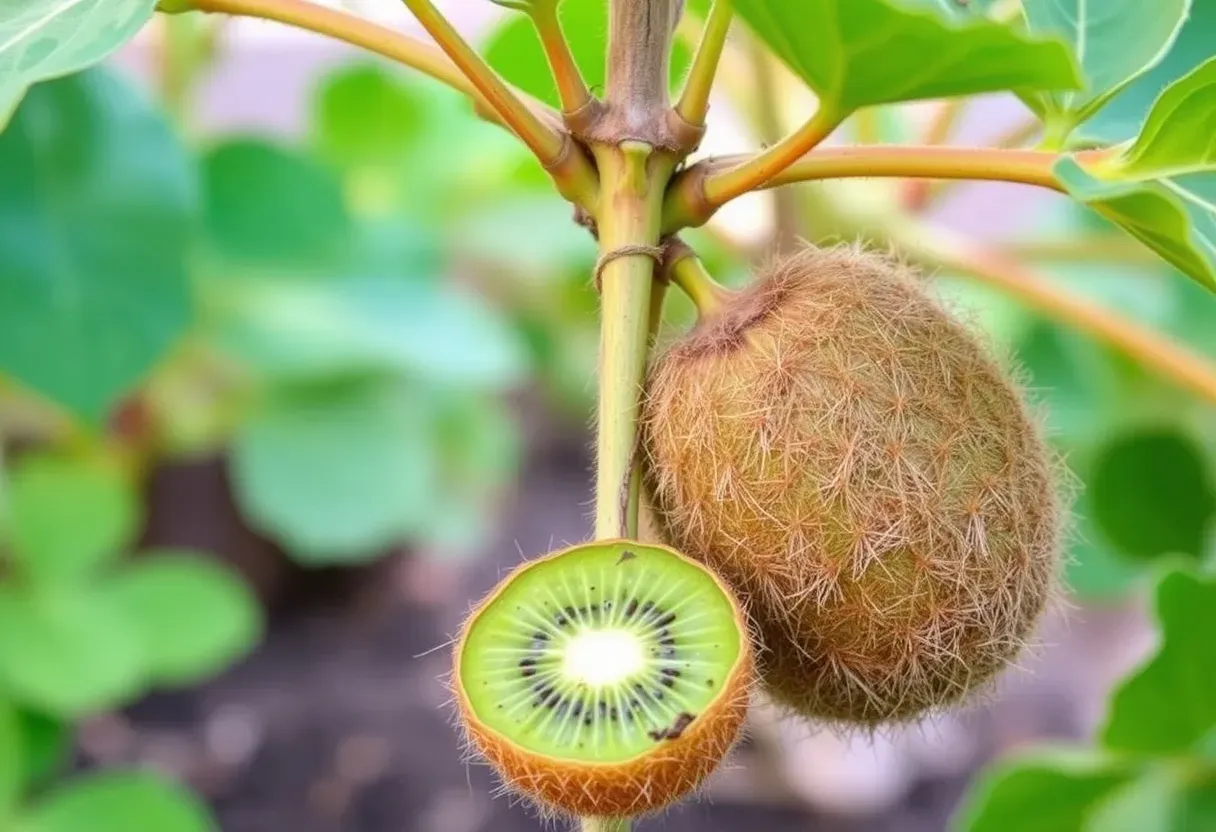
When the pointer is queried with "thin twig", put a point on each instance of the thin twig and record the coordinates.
(694, 100)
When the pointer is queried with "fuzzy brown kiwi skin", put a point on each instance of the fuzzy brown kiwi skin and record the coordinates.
(853, 462)
(647, 783)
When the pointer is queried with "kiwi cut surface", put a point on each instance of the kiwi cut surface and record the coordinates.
(608, 678)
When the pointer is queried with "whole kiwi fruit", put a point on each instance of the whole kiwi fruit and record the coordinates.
(607, 679)
(854, 462)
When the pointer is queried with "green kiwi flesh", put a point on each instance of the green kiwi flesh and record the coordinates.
(601, 652)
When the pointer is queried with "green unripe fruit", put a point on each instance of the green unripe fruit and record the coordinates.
(853, 461)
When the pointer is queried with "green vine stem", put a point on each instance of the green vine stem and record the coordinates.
(632, 177)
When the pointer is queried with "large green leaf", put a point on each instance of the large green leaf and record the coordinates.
(268, 205)
(855, 53)
(66, 651)
(1179, 135)
(1152, 493)
(1049, 791)
(1121, 119)
(42, 39)
(1176, 217)
(96, 213)
(119, 802)
(514, 49)
(69, 515)
(338, 472)
(192, 616)
(1116, 42)
(1169, 705)
(303, 330)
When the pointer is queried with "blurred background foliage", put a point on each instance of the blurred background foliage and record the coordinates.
(361, 319)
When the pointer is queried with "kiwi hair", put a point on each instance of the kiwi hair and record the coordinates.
(854, 461)
(540, 700)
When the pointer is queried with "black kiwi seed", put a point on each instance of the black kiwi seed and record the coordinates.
(670, 671)
(665, 620)
(632, 608)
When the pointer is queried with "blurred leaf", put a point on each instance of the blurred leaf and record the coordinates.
(270, 205)
(530, 234)
(1152, 493)
(855, 53)
(65, 652)
(1167, 799)
(1168, 705)
(417, 180)
(45, 742)
(119, 802)
(96, 215)
(479, 446)
(1116, 42)
(1049, 791)
(41, 39)
(1178, 133)
(337, 473)
(1070, 374)
(1174, 217)
(192, 615)
(315, 330)
(365, 116)
(1097, 571)
(514, 49)
(69, 516)
(1121, 119)
(12, 759)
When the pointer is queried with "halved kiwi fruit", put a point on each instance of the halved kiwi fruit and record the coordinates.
(607, 679)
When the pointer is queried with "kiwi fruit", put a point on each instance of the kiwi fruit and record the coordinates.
(605, 680)
(854, 462)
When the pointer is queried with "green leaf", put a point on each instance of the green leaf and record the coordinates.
(12, 759)
(1168, 705)
(66, 652)
(1179, 135)
(96, 215)
(367, 117)
(309, 330)
(45, 742)
(1152, 493)
(1165, 799)
(1049, 791)
(855, 53)
(41, 39)
(1174, 217)
(119, 802)
(1096, 570)
(193, 616)
(1116, 42)
(337, 473)
(268, 205)
(69, 516)
(479, 447)
(1122, 118)
(514, 49)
